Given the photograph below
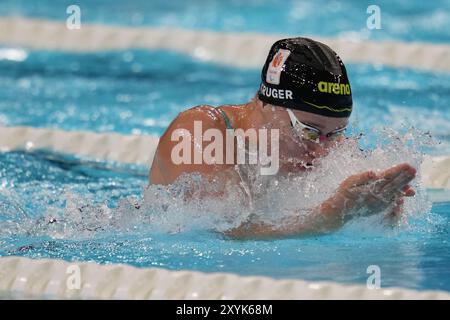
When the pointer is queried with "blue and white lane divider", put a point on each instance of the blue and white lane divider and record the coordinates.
(24, 278)
(128, 149)
(47, 278)
(247, 50)
(139, 149)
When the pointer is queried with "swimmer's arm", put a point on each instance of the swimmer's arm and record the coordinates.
(365, 190)
(304, 224)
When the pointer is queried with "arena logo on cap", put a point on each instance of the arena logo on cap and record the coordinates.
(276, 65)
(332, 87)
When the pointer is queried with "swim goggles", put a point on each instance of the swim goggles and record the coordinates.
(310, 133)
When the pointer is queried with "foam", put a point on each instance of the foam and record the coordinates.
(139, 149)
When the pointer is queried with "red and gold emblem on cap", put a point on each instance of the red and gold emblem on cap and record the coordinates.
(277, 59)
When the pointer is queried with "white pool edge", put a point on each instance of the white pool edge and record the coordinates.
(247, 50)
(23, 278)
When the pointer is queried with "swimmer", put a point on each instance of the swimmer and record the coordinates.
(305, 94)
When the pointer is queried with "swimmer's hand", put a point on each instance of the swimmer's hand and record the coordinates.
(363, 193)
(370, 193)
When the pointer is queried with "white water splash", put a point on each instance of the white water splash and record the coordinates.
(165, 208)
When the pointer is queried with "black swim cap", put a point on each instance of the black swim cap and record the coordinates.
(306, 75)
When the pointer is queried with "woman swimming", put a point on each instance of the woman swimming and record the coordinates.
(305, 100)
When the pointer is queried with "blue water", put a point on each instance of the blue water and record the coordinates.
(416, 257)
(140, 92)
(403, 20)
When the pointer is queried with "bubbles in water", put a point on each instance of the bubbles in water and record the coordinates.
(10, 206)
(182, 206)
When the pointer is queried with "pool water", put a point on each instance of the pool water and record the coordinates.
(403, 19)
(37, 186)
(133, 92)
(61, 206)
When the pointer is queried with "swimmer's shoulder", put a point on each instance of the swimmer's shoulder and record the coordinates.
(209, 116)
(186, 124)
(200, 112)
(220, 117)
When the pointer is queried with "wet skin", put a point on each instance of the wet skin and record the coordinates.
(368, 191)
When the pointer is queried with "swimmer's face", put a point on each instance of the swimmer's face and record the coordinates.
(312, 139)
(324, 131)
(327, 126)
